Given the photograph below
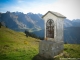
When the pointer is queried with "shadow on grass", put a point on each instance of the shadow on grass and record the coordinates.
(39, 57)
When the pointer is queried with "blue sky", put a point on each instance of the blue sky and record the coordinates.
(23, 5)
(69, 8)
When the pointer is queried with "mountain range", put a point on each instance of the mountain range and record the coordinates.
(19, 21)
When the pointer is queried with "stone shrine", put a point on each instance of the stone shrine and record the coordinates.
(52, 44)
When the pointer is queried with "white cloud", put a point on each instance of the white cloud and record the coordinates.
(69, 8)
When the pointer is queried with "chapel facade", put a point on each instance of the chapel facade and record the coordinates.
(53, 36)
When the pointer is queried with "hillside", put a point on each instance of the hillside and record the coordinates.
(16, 46)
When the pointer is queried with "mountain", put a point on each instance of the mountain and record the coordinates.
(73, 23)
(34, 23)
(19, 21)
(72, 31)
(76, 23)
(72, 35)
(39, 33)
(67, 23)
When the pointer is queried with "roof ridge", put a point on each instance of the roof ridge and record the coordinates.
(56, 14)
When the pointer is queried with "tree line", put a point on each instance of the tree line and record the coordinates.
(0, 24)
(32, 35)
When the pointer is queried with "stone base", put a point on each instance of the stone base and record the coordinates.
(50, 48)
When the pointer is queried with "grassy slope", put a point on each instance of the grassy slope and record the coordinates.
(16, 46)
(72, 50)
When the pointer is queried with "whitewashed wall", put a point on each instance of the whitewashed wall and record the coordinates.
(59, 30)
(54, 18)
(58, 26)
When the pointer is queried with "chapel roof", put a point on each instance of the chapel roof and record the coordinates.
(54, 13)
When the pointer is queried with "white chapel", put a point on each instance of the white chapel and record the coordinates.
(53, 37)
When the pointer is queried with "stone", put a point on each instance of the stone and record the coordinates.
(49, 48)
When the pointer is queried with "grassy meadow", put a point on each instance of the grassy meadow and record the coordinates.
(16, 46)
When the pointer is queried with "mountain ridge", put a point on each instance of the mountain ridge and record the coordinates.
(34, 23)
(18, 20)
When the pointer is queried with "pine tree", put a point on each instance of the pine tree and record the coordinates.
(0, 24)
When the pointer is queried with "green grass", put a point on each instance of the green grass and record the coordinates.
(73, 50)
(16, 46)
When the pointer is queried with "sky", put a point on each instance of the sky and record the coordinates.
(68, 8)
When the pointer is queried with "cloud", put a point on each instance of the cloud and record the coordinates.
(69, 8)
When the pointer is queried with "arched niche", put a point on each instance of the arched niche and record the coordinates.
(50, 28)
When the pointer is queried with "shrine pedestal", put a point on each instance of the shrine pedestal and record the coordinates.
(50, 48)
